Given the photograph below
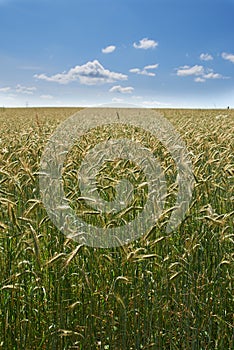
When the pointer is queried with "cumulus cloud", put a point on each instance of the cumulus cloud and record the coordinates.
(212, 75)
(135, 70)
(187, 70)
(5, 89)
(144, 71)
(109, 49)
(199, 80)
(228, 56)
(25, 90)
(118, 100)
(20, 89)
(146, 44)
(206, 57)
(90, 73)
(199, 72)
(122, 90)
(152, 66)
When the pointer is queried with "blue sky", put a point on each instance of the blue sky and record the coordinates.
(152, 53)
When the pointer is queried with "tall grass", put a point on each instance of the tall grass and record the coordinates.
(164, 291)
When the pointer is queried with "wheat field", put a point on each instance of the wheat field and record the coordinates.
(162, 291)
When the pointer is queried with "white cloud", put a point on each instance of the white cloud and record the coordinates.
(228, 56)
(199, 80)
(212, 75)
(25, 90)
(122, 90)
(152, 66)
(186, 71)
(109, 49)
(201, 74)
(5, 89)
(47, 97)
(90, 73)
(206, 57)
(149, 74)
(135, 70)
(145, 44)
(116, 99)
(144, 71)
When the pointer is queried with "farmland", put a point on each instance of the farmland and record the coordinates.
(162, 291)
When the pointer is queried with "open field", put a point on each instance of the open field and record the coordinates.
(164, 291)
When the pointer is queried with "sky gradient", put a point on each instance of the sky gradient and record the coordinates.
(149, 53)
